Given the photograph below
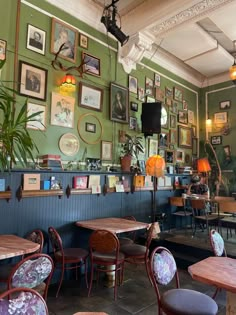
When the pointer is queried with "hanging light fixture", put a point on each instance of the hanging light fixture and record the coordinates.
(68, 83)
(208, 123)
(232, 69)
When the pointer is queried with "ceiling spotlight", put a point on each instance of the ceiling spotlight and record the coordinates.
(109, 20)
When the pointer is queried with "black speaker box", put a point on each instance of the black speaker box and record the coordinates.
(151, 118)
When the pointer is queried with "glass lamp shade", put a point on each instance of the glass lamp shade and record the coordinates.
(68, 83)
(203, 165)
(155, 166)
(232, 72)
(209, 125)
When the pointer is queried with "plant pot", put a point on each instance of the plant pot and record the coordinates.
(125, 162)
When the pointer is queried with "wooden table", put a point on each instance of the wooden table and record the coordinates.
(220, 272)
(12, 245)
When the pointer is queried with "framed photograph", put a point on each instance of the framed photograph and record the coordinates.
(119, 103)
(173, 123)
(163, 139)
(195, 146)
(179, 156)
(148, 86)
(168, 101)
(80, 182)
(90, 96)
(89, 127)
(184, 137)
(150, 99)
(157, 79)
(40, 119)
(133, 123)
(159, 94)
(62, 110)
(174, 107)
(36, 39)
(152, 147)
(161, 152)
(215, 140)
(91, 64)
(3, 49)
(173, 136)
(178, 94)
(190, 117)
(141, 94)
(225, 104)
(31, 181)
(63, 34)
(83, 41)
(185, 105)
(183, 117)
(168, 92)
(220, 118)
(134, 106)
(33, 81)
(171, 146)
(106, 150)
(169, 156)
(133, 84)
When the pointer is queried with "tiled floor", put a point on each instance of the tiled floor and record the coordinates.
(135, 296)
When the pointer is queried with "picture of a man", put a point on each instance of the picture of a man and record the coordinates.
(32, 82)
(36, 40)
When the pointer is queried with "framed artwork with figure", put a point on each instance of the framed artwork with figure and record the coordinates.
(184, 137)
(36, 39)
(119, 103)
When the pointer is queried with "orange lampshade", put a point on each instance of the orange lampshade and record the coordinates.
(68, 83)
(203, 165)
(155, 166)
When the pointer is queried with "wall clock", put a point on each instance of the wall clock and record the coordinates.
(164, 117)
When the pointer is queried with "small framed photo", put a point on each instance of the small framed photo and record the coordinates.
(178, 94)
(184, 137)
(80, 182)
(225, 104)
(221, 118)
(161, 152)
(168, 92)
(173, 136)
(148, 86)
(134, 106)
(215, 140)
(163, 139)
(195, 146)
(36, 39)
(190, 117)
(3, 49)
(38, 121)
(33, 81)
(179, 156)
(133, 84)
(159, 95)
(89, 127)
(31, 181)
(185, 105)
(62, 110)
(91, 64)
(141, 94)
(157, 79)
(63, 34)
(119, 103)
(174, 107)
(170, 156)
(152, 147)
(90, 96)
(83, 41)
(106, 152)
(173, 121)
(183, 117)
(132, 123)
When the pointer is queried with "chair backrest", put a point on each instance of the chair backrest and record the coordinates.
(36, 236)
(198, 204)
(130, 234)
(177, 201)
(55, 240)
(224, 198)
(25, 301)
(227, 206)
(151, 233)
(217, 243)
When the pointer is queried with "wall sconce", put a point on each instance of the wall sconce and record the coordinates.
(68, 83)
(232, 69)
(208, 123)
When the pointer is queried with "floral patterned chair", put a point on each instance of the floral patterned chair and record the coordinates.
(24, 301)
(176, 301)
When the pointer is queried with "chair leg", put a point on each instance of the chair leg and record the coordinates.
(91, 280)
(216, 292)
(61, 279)
(148, 271)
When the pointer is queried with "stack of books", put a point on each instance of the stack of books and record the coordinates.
(51, 161)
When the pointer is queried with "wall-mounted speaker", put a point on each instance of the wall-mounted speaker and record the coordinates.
(151, 118)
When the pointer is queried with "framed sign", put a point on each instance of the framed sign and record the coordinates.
(106, 153)
(36, 39)
(90, 96)
(119, 103)
(184, 137)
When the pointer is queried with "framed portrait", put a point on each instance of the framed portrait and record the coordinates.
(159, 95)
(183, 117)
(185, 105)
(215, 140)
(190, 117)
(91, 64)
(106, 151)
(36, 39)
(152, 147)
(132, 123)
(179, 156)
(220, 118)
(33, 81)
(62, 110)
(225, 104)
(3, 49)
(161, 152)
(83, 41)
(184, 137)
(119, 103)
(170, 156)
(63, 34)
(163, 139)
(157, 79)
(168, 92)
(195, 146)
(39, 120)
(141, 94)
(178, 94)
(134, 106)
(148, 86)
(133, 84)
(173, 136)
(173, 123)
(89, 127)
(90, 96)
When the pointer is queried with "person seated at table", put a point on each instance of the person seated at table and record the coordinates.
(198, 187)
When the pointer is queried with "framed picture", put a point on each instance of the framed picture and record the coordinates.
(80, 182)
(215, 140)
(90, 96)
(190, 117)
(178, 94)
(3, 49)
(134, 106)
(183, 117)
(185, 105)
(148, 86)
(161, 152)
(220, 118)
(174, 107)
(133, 84)
(195, 146)
(89, 127)
(133, 123)
(106, 150)
(36, 39)
(63, 34)
(150, 99)
(83, 41)
(152, 147)
(179, 156)
(159, 94)
(225, 104)
(163, 139)
(184, 137)
(168, 101)
(170, 156)
(172, 121)
(173, 136)
(157, 79)
(33, 81)
(227, 150)
(168, 92)
(141, 94)
(40, 119)
(62, 110)
(119, 103)
(91, 64)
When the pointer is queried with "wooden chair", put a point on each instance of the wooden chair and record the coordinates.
(228, 209)
(129, 237)
(105, 256)
(182, 213)
(29, 299)
(67, 258)
(176, 301)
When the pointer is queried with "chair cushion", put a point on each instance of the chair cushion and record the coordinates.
(109, 257)
(72, 254)
(218, 243)
(164, 267)
(133, 250)
(187, 302)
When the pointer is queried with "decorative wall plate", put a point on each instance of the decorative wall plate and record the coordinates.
(69, 144)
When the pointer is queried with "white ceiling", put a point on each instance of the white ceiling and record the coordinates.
(196, 35)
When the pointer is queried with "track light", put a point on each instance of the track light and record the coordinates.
(109, 20)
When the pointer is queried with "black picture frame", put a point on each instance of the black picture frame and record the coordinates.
(118, 113)
(89, 127)
(216, 140)
(36, 39)
(134, 106)
(225, 104)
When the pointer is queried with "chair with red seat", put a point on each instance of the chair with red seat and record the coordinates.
(67, 258)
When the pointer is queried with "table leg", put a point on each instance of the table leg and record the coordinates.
(230, 303)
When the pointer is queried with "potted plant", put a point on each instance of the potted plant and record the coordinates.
(131, 148)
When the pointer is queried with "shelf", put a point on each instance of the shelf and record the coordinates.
(6, 194)
(38, 193)
(149, 188)
(165, 188)
(73, 191)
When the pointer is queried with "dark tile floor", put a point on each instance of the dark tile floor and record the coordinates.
(135, 296)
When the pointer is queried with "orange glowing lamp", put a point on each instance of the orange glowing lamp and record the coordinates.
(203, 165)
(155, 166)
(68, 83)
